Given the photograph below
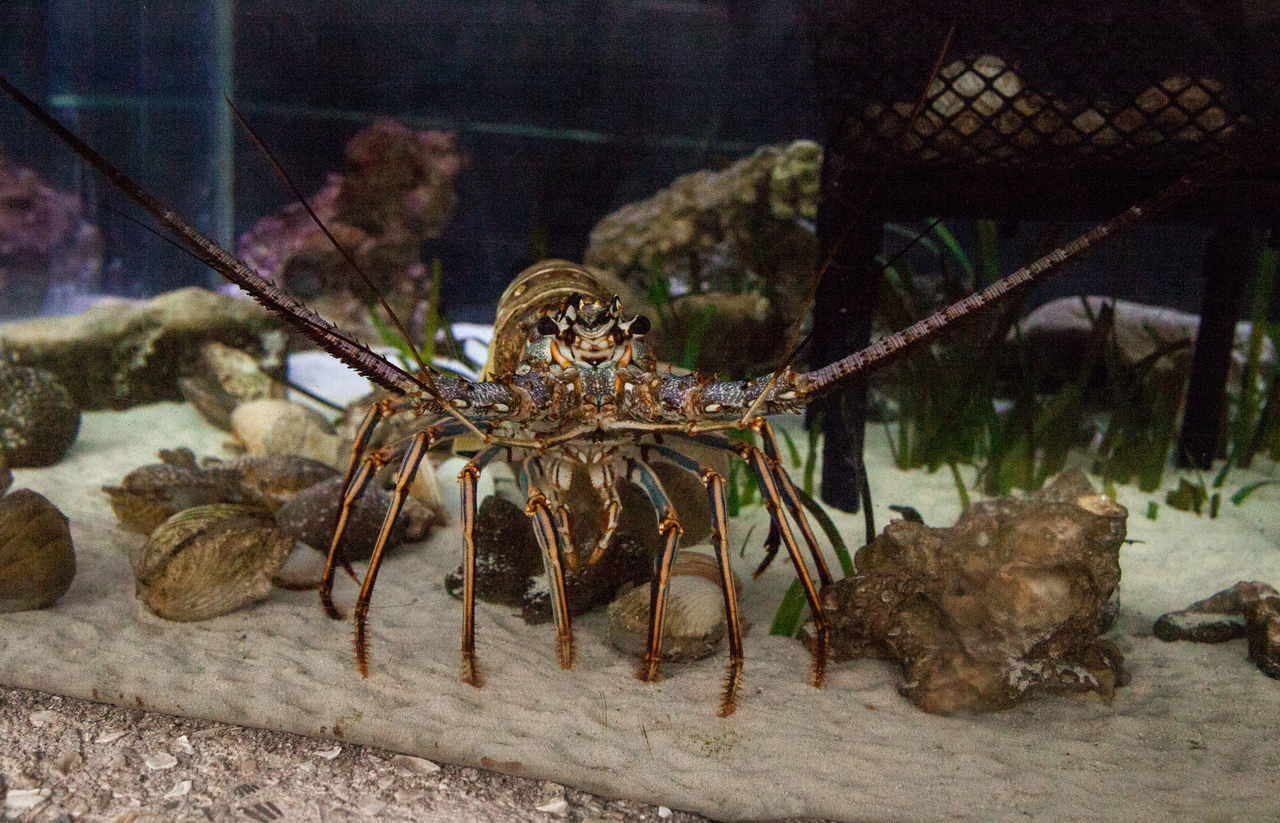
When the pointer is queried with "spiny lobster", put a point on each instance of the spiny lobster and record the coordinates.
(587, 395)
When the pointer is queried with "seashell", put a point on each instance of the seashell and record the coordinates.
(694, 625)
(151, 494)
(38, 420)
(269, 426)
(312, 514)
(209, 560)
(37, 560)
(222, 378)
(275, 478)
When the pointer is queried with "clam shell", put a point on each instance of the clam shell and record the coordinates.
(209, 560)
(37, 561)
(695, 624)
(151, 494)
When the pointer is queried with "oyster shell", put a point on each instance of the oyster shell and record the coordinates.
(209, 560)
(37, 560)
(695, 624)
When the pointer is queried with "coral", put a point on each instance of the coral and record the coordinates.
(1248, 609)
(38, 420)
(44, 242)
(396, 192)
(1009, 600)
(744, 231)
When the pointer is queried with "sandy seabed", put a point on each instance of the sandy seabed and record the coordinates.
(1193, 737)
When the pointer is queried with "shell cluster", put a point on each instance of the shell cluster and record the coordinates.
(695, 624)
(38, 420)
(216, 528)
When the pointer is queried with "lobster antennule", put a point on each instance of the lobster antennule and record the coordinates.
(820, 381)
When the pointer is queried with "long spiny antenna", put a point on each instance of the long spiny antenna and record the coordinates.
(818, 382)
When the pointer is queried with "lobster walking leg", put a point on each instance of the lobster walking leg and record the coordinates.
(638, 472)
(418, 446)
(720, 539)
(792, 499)
(467, 481)
(544, 528)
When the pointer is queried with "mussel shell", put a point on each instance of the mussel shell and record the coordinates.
(37, 560)
(208, 561)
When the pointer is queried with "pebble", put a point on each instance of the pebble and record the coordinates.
(109, 737)
(179, 790)
(21, 800)
(328, 754)
(43, 717)
(417, 765)
(557, 806)
(664, 812)
(160, 760)
(183, 745)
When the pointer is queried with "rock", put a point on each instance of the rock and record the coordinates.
(509, 567)
(395, 194)
(208, 561)
(280, 427)
(6, 476)
(1056, 336)
(695, 624)
(1248, 609)
(1006, 602)
(122, 353)
(37, 559)
(744, 231)
(312, 514)
(38, 419)
(44, 242)
(223, 379)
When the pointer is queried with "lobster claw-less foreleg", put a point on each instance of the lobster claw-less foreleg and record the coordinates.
(544, 528)
(468, 480)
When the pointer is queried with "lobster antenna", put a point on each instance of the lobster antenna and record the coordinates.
(794, 335)
(428, 373)
(356, 355)
(819, 381)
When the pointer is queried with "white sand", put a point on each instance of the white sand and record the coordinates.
(1194, 737)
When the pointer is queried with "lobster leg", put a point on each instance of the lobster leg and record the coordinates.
(669, 528)
(714, 484)
(467, 480)
(792, 500)
(418, 446)
(544, 527)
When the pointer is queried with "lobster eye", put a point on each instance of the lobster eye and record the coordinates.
(547, 326)
(639, 325)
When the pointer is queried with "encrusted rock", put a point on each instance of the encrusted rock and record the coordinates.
(37, 560)
(209, 560)
(123, 353)
(1007, 601)
(313, 512)
(1248, 609)
(38, 419)
(6, 476)
(745, 231)
(223, 379)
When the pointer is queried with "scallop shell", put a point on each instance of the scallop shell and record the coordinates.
(37, 560)
(694, 625)
(38, 420)
(209, 560)
(269, 426)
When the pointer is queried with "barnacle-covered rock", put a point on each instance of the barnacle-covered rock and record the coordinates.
(38, 419)
(694, 626)
(744, 231)
(312, 513)
(124, 353)
(1007, 601)
(276, 427)
(37, 560)
(209, 560)
(222, 379)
